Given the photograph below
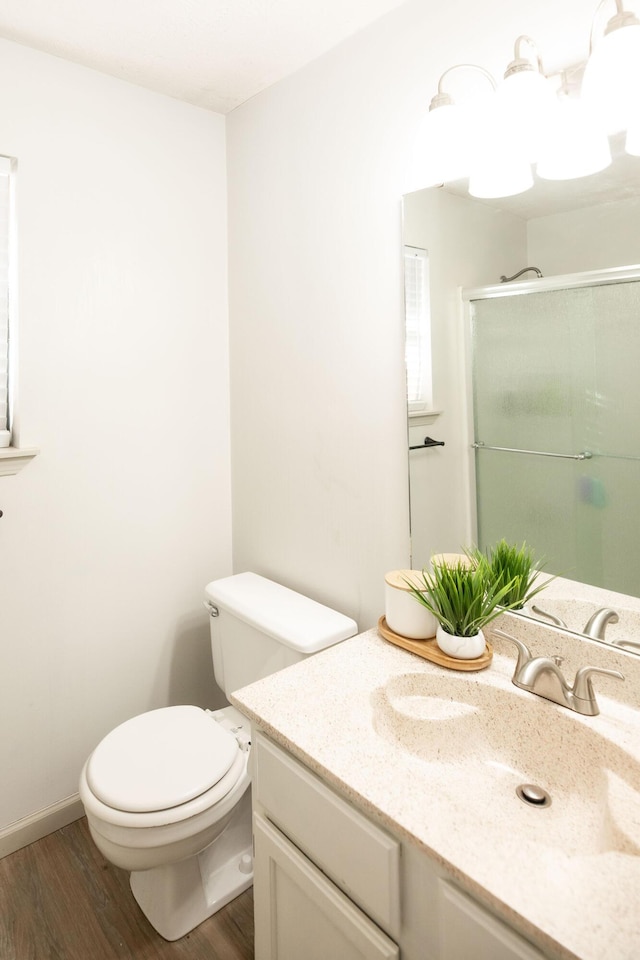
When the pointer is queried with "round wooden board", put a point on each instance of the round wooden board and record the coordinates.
(429, 650)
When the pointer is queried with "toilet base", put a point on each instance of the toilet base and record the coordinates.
(180, 896)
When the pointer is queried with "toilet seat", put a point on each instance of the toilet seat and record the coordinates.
(162, 760)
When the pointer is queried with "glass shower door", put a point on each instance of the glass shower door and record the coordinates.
(556, 398)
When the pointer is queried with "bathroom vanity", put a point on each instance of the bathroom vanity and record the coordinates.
(328, 882)
(386, 820)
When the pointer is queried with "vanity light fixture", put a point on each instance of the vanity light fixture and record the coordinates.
(612, 75)
(632, 145)
(526, 97)
(576, 144)
(450, 128)
(532, 118)
(500, 166)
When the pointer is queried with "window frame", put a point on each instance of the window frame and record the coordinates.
(418, 353)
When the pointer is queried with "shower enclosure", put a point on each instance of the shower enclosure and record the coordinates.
(556, 418)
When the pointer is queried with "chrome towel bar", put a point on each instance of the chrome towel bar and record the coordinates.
(479, 445)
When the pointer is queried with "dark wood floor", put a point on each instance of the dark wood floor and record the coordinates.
(61, 900)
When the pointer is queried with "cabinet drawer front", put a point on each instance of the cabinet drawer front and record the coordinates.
(358, 856)
(299, 913)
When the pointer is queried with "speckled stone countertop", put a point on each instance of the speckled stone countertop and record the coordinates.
(387, 730)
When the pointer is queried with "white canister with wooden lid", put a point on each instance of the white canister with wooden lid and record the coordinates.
(452, 560)
(403, 611)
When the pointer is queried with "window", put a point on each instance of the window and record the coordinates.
(418, 330)
(7, 248)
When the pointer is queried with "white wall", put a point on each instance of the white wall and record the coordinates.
(318, 428)
(595, 238)
(317, 166)
(110, 534)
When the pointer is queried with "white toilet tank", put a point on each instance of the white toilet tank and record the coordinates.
(259, 627)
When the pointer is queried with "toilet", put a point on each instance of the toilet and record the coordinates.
(167, 793)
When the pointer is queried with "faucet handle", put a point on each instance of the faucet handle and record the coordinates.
(524, 654)
(582, 686)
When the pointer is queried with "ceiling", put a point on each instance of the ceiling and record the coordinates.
(212, 53)
(218, 53)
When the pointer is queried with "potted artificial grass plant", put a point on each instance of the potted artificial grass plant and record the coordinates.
(463, 597)
(513, 564)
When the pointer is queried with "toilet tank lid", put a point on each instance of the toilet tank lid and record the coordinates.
(294, 620)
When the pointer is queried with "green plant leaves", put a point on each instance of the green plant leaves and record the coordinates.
(466, 596)
(515, 564)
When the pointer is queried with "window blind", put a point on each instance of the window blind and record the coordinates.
(5, 273)
(417, 329)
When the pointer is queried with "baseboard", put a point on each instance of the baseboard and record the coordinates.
(38, 825)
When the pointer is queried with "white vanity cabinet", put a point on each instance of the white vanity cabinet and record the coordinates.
(326, 880)
(329, 884)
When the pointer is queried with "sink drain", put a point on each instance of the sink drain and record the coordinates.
(533, 795)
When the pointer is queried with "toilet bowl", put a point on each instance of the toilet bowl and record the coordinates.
(167, 793)
(165, 840)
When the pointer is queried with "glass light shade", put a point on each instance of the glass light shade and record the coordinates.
(500, 176)
(447, 143)
(632, 143)
(441, 146)
(576, 145)
(611, 83)
(526, 100)
(416, 176)
(500, 166)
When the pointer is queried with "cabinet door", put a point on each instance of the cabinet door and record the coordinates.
(468, 930)
(300, 913)
(358, 856)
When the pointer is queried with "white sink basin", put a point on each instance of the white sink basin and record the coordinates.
(467, 735)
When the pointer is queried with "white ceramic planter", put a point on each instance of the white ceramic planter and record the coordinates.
(462, 648)
(405, 614)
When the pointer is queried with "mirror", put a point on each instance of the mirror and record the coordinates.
(561, 228)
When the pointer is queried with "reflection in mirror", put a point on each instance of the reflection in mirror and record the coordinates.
(555, 403)
(589, 511)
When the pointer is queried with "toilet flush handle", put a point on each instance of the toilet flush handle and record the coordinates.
(211, 607)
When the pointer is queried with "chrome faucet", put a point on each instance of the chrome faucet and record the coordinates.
(543, 676)
(597, 623)
(556, 621)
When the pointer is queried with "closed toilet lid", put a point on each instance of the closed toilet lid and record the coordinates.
(160, 759)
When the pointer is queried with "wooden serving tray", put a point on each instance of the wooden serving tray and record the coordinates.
(430, 650)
